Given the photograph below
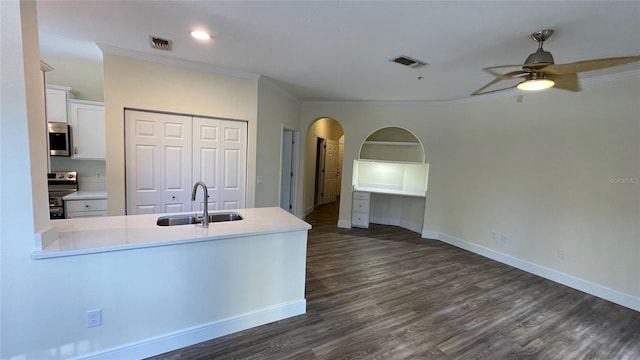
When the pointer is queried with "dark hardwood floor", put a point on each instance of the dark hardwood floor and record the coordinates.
(385, 293)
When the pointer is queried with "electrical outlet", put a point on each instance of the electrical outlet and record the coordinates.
(94, 317)
(504, 239)
(493, 235)
(562, 253)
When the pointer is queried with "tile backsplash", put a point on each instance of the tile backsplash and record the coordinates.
(96, 182)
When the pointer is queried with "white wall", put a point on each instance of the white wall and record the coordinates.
(139, 84)
(277, 110)
(22, 119)
(544, 172)
(84, 76)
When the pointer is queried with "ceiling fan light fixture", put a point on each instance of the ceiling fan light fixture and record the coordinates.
(536, 84)
(200, 35)
(535, 81)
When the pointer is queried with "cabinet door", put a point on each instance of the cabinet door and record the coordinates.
(158, 162)
(87, 130)
(56, 105)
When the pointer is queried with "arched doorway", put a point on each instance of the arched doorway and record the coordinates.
(324, 160)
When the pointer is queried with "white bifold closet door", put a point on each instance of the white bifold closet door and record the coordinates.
(158, 162)
(166, 154)
(220, 161)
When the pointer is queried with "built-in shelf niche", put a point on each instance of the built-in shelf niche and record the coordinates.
(392, 144)
(386, 177)
(391, 161)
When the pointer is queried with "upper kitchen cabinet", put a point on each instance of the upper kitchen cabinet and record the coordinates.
(392, 144)
(56, 100)
(87, 129)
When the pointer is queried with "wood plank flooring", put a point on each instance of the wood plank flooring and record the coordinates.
(385, 293)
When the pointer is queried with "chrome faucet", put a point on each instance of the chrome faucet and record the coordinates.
(205, 220)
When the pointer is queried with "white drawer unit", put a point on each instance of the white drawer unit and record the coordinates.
(360, 209)
(85, 208)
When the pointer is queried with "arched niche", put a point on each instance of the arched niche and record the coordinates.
(392, 144)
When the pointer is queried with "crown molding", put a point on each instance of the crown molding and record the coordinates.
(176, 62)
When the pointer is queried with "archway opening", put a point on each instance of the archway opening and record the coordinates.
(324, 153)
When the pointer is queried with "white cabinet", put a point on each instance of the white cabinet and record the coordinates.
(87, 129)
(360, 210)
(85, 208)
(56, 100)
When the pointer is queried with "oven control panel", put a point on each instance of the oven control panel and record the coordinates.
(62, 176)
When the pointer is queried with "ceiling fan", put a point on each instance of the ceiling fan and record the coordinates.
(540, 72)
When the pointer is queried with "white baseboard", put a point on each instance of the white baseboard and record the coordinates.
(345, 224)
(396, 222)
(194, 335)
(588, 287)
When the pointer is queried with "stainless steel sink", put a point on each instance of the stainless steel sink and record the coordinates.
(185, 219)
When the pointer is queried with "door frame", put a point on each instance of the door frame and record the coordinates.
(295, 149)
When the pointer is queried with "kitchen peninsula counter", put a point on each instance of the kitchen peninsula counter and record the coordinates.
(86, 195)
(114, 233)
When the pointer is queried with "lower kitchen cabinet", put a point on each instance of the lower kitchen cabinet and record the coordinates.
(360, 209)
(85, 208)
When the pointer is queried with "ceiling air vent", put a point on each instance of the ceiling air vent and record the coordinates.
(408, 61)
(160, 43)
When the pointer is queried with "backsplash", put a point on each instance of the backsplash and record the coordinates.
(91, 173)
(92, 183)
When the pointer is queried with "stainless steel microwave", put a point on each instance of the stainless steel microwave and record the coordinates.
(59, 139)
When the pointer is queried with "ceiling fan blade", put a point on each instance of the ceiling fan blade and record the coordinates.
(480, 92)
(565, 82)
(588, 65)
(505, 76)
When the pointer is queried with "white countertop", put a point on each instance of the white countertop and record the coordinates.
(86, 195)
(112, 233)
(379, 190)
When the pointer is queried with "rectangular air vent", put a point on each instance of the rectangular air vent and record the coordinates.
(408, 61)
(160, 43)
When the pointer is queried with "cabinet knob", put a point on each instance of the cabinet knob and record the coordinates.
(87, 206)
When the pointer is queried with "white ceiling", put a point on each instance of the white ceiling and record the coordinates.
(340, 50)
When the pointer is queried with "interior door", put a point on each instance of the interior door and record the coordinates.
(319, 183)
(340, 158)
(158, 162)
(330, 172)
(286, 173)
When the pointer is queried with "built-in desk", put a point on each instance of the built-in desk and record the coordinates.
(388, 192)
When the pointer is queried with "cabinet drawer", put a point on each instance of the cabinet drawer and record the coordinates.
(359, 219)
(79, 214)
(86, 205)
(361, 206)
(361, 195)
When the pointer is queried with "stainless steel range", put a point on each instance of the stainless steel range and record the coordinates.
(61, 183)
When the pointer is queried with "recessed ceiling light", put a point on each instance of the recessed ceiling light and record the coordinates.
(200, 35)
